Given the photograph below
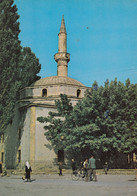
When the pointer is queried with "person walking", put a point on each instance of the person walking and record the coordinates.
(28, 170)
(135, 165)
(0, 168)
(73, 166)
(106, 167)
(60, 168)
(92, 169)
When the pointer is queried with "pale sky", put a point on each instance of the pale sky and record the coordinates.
(101, 37)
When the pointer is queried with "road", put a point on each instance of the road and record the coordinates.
(54, 185)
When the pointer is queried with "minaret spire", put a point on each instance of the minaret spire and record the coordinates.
(62, 28)
(62, 57)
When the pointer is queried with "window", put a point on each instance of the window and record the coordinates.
(78, 93)
(44, 92)
(2, 157)
(19, 156)
(2, 138)
(19, 132)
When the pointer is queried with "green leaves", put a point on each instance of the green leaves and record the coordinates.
(18, 66)
(29, 67)
(64, 106)
(103, 122)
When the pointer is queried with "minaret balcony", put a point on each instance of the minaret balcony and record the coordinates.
(63, 56)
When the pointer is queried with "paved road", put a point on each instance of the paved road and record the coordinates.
(53, 185)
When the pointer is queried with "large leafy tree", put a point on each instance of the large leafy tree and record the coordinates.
(110, 115)
(29, 66)
(58, 123)
(15, 62)
(130, 117)
(103, 123)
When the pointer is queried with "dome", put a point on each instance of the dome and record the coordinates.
(54, 80)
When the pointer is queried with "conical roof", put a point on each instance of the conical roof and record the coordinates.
(62, 28)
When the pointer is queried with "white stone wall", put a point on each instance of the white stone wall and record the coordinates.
(43, 153)
(52, 90)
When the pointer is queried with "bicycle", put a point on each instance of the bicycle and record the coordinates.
(78, 174)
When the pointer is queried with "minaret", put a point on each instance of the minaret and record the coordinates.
(62, 57)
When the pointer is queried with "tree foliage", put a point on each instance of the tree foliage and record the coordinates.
(18, 65)
(104, 122)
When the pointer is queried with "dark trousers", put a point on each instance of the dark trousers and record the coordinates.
(60, 172)
(85, 172)
(105, 170)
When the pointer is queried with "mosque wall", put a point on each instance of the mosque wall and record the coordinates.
(52, 90)
(44, 153)
(34, 146)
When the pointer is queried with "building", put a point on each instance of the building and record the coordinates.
(25, 139)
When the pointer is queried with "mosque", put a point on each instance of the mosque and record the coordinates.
(25, 140)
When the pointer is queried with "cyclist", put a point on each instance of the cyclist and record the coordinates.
(85, 165)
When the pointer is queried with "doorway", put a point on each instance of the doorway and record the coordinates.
(61, 156)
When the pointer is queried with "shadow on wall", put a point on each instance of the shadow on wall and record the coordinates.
(13, 140)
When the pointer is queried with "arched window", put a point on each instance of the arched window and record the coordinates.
(44, 92)
(78, 93)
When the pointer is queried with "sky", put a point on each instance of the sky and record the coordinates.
(101, 37)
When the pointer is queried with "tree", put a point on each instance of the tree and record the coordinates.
(59, 127)
(15, 62)
(130, 117)
(9, 54)
(29, 66)
(9, 17)
(103, 123)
